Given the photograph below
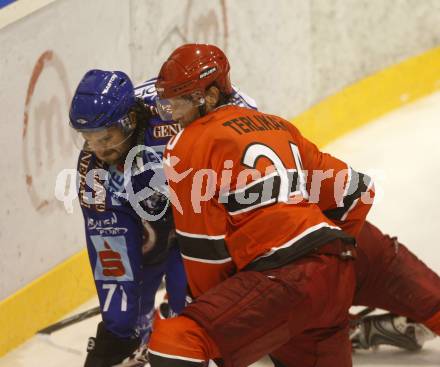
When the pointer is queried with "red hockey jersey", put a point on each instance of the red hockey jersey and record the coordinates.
(249, 192)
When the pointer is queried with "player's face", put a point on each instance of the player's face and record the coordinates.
(109, 145)
(180, 109)
(184, 111)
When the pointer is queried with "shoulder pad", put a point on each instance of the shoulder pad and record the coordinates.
(147, 92)
(242, 100)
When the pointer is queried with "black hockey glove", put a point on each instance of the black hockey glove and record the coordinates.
(106, 349)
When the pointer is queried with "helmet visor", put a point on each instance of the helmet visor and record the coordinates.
(175, 108)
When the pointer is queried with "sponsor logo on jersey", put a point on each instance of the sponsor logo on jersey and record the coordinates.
(106, 226)
(166, 130)
(112, 265)
(93, 223)
(207, 72)
(116, 179)
(98, 200)
(99, 189)
(112, 262)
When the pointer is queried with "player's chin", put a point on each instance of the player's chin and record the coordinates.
(112, 158)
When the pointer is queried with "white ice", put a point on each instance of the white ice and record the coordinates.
(402, 152)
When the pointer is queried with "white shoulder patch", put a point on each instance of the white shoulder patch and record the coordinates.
(242, 99)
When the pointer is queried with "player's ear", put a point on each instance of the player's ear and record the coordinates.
(212, 97)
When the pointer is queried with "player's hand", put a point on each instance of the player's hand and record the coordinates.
(107, 350)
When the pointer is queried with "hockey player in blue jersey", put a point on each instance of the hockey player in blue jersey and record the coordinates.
(128, 254)
(130, 239)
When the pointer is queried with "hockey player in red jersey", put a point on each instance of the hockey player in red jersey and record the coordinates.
(264, 271)
(382, 268)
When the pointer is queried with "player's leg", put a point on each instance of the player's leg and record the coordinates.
(333, 348)
(151, 278)
(181, 342)
(433, 323)
(251, 314)
(175, 282)
(390, 277)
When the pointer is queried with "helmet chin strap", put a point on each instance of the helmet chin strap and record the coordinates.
(202, 110)
(122, 153)
(127, 138)
(202, 107)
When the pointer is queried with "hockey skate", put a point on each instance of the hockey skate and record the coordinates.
(165, 312)
(388, 329)
(139, 358)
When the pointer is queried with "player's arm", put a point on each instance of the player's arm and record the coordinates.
(203, 248)
(200, 229)
(344, 195)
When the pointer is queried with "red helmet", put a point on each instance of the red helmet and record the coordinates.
(191, 68)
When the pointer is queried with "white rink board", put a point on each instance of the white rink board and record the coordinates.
(36, 233)
(288, 54)
(414, 126)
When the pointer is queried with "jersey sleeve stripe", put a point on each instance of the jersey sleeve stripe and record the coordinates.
(358, 184)
(347, 186)
(203, 249)
(344, 217)
(201, 236)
